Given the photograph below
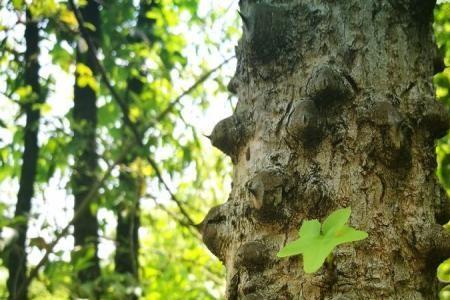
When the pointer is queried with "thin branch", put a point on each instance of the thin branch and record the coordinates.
(172, 215)
(191, 88)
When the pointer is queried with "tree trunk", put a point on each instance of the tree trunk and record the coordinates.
(85, 168)
(336, 109)
(128, 223)
(128, 212)
(17, 260)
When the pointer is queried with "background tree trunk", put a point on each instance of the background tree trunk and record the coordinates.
(128, 212)
(85, 169)
(17, 260)
(336, 109)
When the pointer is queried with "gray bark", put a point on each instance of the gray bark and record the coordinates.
(336, 108)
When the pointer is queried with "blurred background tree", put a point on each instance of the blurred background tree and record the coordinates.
(112, 100)
(104, 169)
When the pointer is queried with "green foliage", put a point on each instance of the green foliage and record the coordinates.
(443, 271)
(196, 276)
(442, 84)
(316, 243)
(444, 294)
(164, 58)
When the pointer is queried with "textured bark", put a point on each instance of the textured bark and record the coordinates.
(128, 212)
(17, 260)
(84, 173)
(336, 108)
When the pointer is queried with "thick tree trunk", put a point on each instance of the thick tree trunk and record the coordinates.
(336, 109)
(85, 169)
(128, 213)
(17, 260)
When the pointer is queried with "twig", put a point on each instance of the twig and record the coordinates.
(191, 88)
(171, 214)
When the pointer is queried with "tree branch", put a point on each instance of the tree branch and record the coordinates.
(191, 88)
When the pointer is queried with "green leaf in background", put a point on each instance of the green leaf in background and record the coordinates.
(443, 271)
(444, 294)
(316, 244)
(146, 62)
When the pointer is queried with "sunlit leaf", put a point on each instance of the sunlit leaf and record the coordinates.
(443, 271)
(444, 293)
(68, 17)
(316, 245)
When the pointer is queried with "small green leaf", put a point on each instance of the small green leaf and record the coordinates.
(293, 248)
(89, 26)
(316, 254)
(17, 4)
(447, 226)
(444, 294)
(347, 234)
(315, 245)
(310, 229)
(443, 271)
(336, 220)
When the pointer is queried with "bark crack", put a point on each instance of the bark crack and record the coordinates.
(288, 113)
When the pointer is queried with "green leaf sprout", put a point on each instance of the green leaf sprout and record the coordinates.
(317, 241)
